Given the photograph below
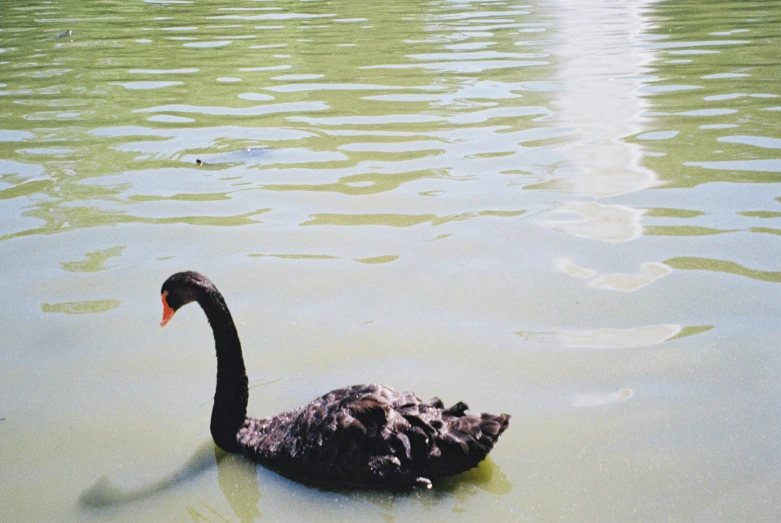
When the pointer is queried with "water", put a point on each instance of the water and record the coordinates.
(568, 211)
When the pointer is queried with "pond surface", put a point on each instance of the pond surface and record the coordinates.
(567, 211)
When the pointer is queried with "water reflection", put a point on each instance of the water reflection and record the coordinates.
(597, 221)
(649, 273)
(238, 481)
(454, 492)
(236, 477)
(602, 110)
(105, 493)
(608, 338)
(599, 400)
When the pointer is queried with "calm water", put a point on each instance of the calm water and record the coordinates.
(568, 211)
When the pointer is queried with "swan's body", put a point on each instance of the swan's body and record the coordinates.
(364, 435)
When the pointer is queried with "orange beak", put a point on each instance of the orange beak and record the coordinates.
(168, 312)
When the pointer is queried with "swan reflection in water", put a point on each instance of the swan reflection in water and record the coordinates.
(237, 478)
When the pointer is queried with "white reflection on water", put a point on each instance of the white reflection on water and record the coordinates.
(607, 338)
(603, 110)
(649, 273)
(598, 400)
(597, 221)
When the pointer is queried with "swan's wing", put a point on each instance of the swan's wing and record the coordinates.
(373, 435)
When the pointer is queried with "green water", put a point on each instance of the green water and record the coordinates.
(567, 211)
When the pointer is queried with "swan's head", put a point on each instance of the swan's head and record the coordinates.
(179, 290)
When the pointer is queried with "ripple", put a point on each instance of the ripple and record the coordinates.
(46, 151)
(25, 171)
(709, 264)
(719, 76)
(651, 89)
(186, 70)
(272, 16)
(257, 97)
(405, 98)
(693, 52)
(54, 116)
(176, 141)
(649, 273)
(207, 45)
(688, 44)
(480, 55)
(266, 68)
(403, 220)
(352, 184)
(268, 46)
(658, 135)
(7, 135)
(609, 223)
(376, 260)
(368, 120)
(148, 85)
(26, 188)
(756, 141)
(709, 112)
(477, 66)
(168, 118)
(772, 166)
(290, 107)
(385, 220)
(296, 88)
(683, 230)
(297, 77)
(398, 147)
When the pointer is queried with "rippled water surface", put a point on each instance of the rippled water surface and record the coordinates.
(567, 211)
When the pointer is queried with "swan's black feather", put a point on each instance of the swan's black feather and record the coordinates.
(371, 435)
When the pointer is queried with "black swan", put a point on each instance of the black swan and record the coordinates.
(362, 436)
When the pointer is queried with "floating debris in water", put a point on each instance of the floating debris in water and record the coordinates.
(595, 400)
(236, 156)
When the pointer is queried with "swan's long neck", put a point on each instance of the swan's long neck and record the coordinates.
(232, 394)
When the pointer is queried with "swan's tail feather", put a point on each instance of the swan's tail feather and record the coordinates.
(465, 440)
